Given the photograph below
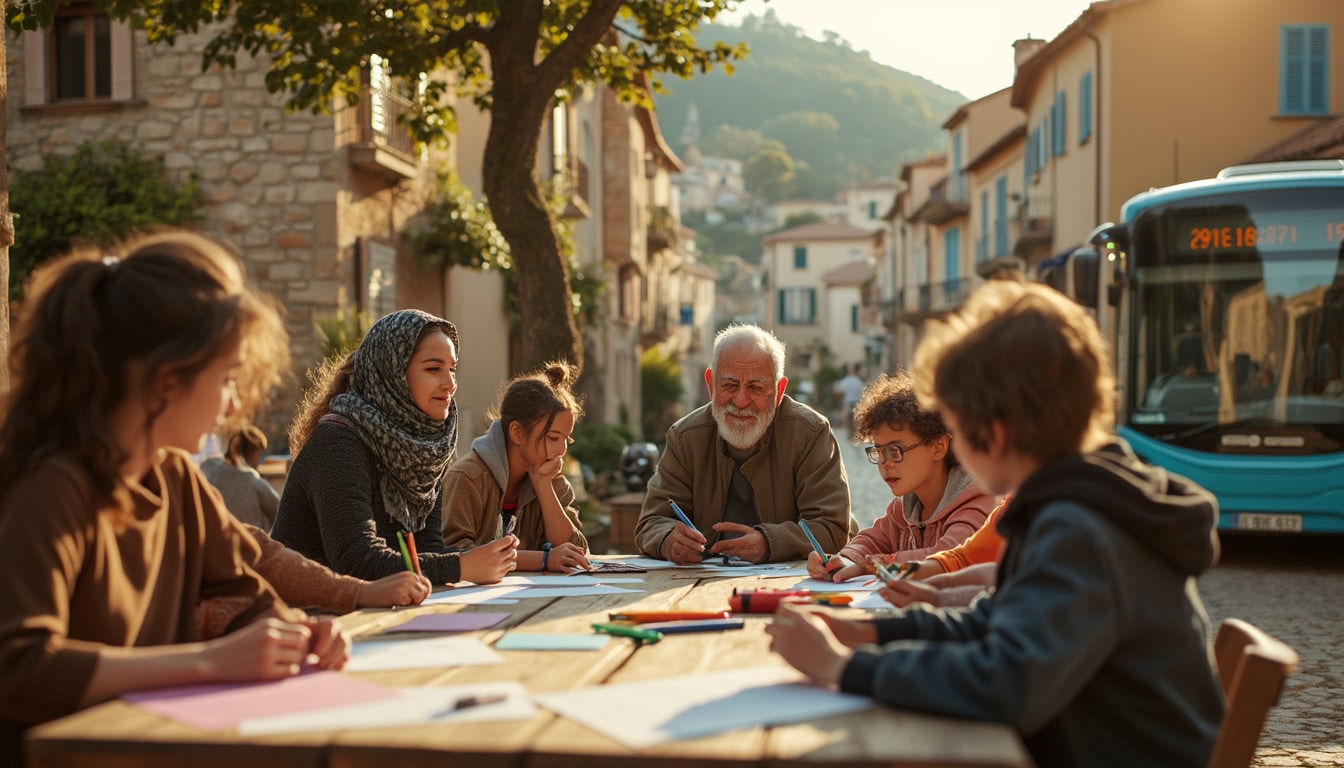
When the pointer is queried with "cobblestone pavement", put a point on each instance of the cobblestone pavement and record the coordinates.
(1291, 587)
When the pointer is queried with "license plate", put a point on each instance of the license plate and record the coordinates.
(1283, 523)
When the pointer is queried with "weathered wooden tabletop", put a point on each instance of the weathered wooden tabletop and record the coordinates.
(118, 734)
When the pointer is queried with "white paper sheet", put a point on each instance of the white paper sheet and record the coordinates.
(415, 706)
(857, 584)
(475, 596)
(578, 590)
(872, 602)
(565, 580)
(421, 653)
(652, 712)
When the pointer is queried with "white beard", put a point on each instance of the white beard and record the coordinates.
(746, 437)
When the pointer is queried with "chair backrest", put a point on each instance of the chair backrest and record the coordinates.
(1252, 666)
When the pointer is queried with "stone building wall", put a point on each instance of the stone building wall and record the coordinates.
(274, 185)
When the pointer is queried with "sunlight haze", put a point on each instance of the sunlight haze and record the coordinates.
(964, 45)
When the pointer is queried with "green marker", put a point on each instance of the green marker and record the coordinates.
(405, 553)
(640, 635)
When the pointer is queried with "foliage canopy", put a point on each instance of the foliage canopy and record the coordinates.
(512, 57)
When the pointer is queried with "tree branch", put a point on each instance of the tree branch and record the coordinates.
(587, 33)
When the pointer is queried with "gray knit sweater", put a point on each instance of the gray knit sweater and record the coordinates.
(332, 512)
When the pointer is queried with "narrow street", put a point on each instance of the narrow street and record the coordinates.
(1289, 587)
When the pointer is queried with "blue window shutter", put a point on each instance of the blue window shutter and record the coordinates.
(1085, 108)
(1292, 70)
(800, 257)
(1304, 69)
(811, 306)
(1001, 216)
(783, 311)
(1062, 123)
(854, 318)
(1054, 127)
(952, 253)
(1318, 70)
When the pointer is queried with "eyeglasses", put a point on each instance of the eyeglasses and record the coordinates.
(891, 451)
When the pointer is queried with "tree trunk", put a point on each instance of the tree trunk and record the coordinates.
(520, 211)
(6, 221)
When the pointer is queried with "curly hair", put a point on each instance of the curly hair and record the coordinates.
(893, 401)
(531, 398)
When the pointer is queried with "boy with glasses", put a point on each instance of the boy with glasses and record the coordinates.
(936, 504)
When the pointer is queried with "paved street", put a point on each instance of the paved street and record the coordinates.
(1290, 587)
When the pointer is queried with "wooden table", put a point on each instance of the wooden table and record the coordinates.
(116, 734)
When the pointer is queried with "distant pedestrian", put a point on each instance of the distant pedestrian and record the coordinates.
(850, 391)
(246, 493)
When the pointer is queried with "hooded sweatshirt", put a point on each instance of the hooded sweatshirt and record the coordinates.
(899, 535)
(1095, 646)
(474, 490)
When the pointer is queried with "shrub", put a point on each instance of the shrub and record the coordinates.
(100, 194)
(599, 445)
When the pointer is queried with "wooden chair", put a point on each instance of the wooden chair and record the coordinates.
(1252, 666)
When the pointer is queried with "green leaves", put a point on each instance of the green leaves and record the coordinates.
(100, 194)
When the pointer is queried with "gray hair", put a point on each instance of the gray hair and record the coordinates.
(750, 336)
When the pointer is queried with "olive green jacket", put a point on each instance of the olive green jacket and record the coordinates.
(796, 474)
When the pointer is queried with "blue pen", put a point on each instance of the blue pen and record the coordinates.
(681, 515)
(825, 558)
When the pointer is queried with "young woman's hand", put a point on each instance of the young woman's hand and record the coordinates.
(404, 588)
(566, 557)
(330, 645)
(542, 474)
(266, 649)
(491, 561)
(807, 643)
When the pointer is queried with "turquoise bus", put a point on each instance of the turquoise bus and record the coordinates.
(1224, 302)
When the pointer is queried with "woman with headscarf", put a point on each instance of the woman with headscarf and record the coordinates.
(372, 442)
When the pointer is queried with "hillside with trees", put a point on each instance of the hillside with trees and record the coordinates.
(807, 117)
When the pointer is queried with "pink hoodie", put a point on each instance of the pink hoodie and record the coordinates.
(898, 536)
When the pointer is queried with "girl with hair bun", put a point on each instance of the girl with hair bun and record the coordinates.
(512, 479)
(109, 534)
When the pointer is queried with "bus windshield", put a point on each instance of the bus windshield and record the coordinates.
(1237, 317)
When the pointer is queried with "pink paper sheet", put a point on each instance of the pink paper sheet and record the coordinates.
(217, 707)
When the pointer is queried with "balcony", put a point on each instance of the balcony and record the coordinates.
(943, 205)
(375, 139)
(1036, 224)
(915, 304)
(662, 228)
(658, 323)
(573, 182)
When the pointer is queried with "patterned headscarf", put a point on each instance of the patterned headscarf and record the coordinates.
(413, 449)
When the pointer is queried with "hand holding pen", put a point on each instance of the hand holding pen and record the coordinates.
(819, 564)
(685, 545)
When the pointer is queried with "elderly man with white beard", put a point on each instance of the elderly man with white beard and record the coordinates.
(746, 467)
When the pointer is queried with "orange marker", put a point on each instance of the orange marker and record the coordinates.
(415, 558)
